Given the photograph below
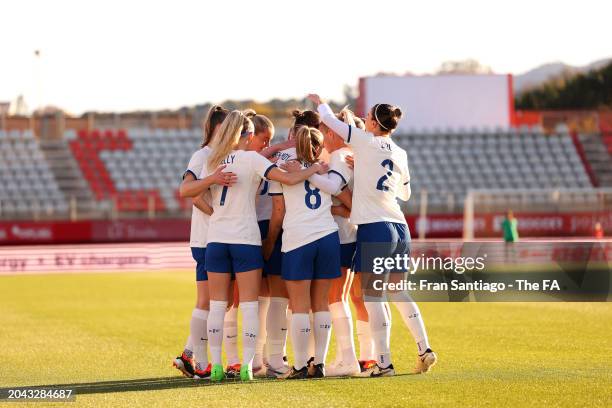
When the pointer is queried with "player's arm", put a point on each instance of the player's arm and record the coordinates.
(404, 190)
(350, 134)
(192, 187)
(275, 225)
(276, 174)
(272, 150)
(330, 183)
(346, 198)
(341, 211)
(202, 205)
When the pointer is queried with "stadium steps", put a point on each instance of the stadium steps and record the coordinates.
(599, 157)
(68, 175)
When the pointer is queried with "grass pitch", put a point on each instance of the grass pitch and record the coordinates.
(113, 336)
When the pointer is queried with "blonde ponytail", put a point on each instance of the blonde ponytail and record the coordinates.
(307, 144)
(235, 125)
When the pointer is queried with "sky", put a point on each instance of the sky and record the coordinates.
(125, 55)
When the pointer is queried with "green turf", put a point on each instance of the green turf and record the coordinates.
(90, 328)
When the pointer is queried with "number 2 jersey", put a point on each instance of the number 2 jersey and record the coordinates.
(234, 220)
(380, 173)
(307, 213)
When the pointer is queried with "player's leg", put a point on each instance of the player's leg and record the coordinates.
(297, 272)
(346, 362)
(299, 293)
(248, 264)
(409, 310)
(230, 338)
(362, 325)
(264, 304)
(219, 265)
(276, 325)
(326, 269)
(375, 240)
(196, 346)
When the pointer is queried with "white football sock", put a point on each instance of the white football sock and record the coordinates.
(215, 329)
(230, 338)
(289, 319)
(311, 340)
(366, 347)
(264, 303)
(343, 327)
(412, 317)
(276, 328)
(250, 330)
(198, 337)
(322, 333)
(300, 334)
(380, 330)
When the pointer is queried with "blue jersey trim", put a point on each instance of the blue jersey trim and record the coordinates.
(341, 176)
(189, 172)
(275, 194)
(348, 139)
(268, 170)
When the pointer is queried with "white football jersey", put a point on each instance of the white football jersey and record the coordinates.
(199, 220)
(282, 157)
(263, 202)
(307, 214)
(234, 220)
(381, 173)
(337, 164)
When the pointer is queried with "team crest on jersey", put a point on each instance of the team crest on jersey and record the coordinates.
(385, 145)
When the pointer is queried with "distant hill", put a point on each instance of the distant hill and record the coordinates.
(536, 76)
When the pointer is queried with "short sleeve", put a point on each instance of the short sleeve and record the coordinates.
(338, 165)
(275, 188)
(261, 165)
(195, 166)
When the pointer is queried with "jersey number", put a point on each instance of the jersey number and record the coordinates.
(314, 192)
(388, 164)
(223, 195)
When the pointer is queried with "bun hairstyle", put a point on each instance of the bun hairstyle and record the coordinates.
(305, 118)
(387, 116)
(261, 122)
(308, 143)
(215, 116)
(235, 126)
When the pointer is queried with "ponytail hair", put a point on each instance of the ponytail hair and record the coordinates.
(386, 116)
(261, 122)
(215, 116)
(235, 126)
(308, 143)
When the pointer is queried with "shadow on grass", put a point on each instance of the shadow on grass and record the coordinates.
(163, 383)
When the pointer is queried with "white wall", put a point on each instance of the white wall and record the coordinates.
(443, 101)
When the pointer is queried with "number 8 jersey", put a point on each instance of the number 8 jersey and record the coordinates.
(380, 175)
(307, 214)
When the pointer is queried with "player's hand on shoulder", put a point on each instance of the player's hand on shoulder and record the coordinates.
(323, 167)
(224, 178)
(291, 166)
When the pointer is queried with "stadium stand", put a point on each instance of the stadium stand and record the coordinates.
(28, 188)
(449, 163)
(134, 172)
